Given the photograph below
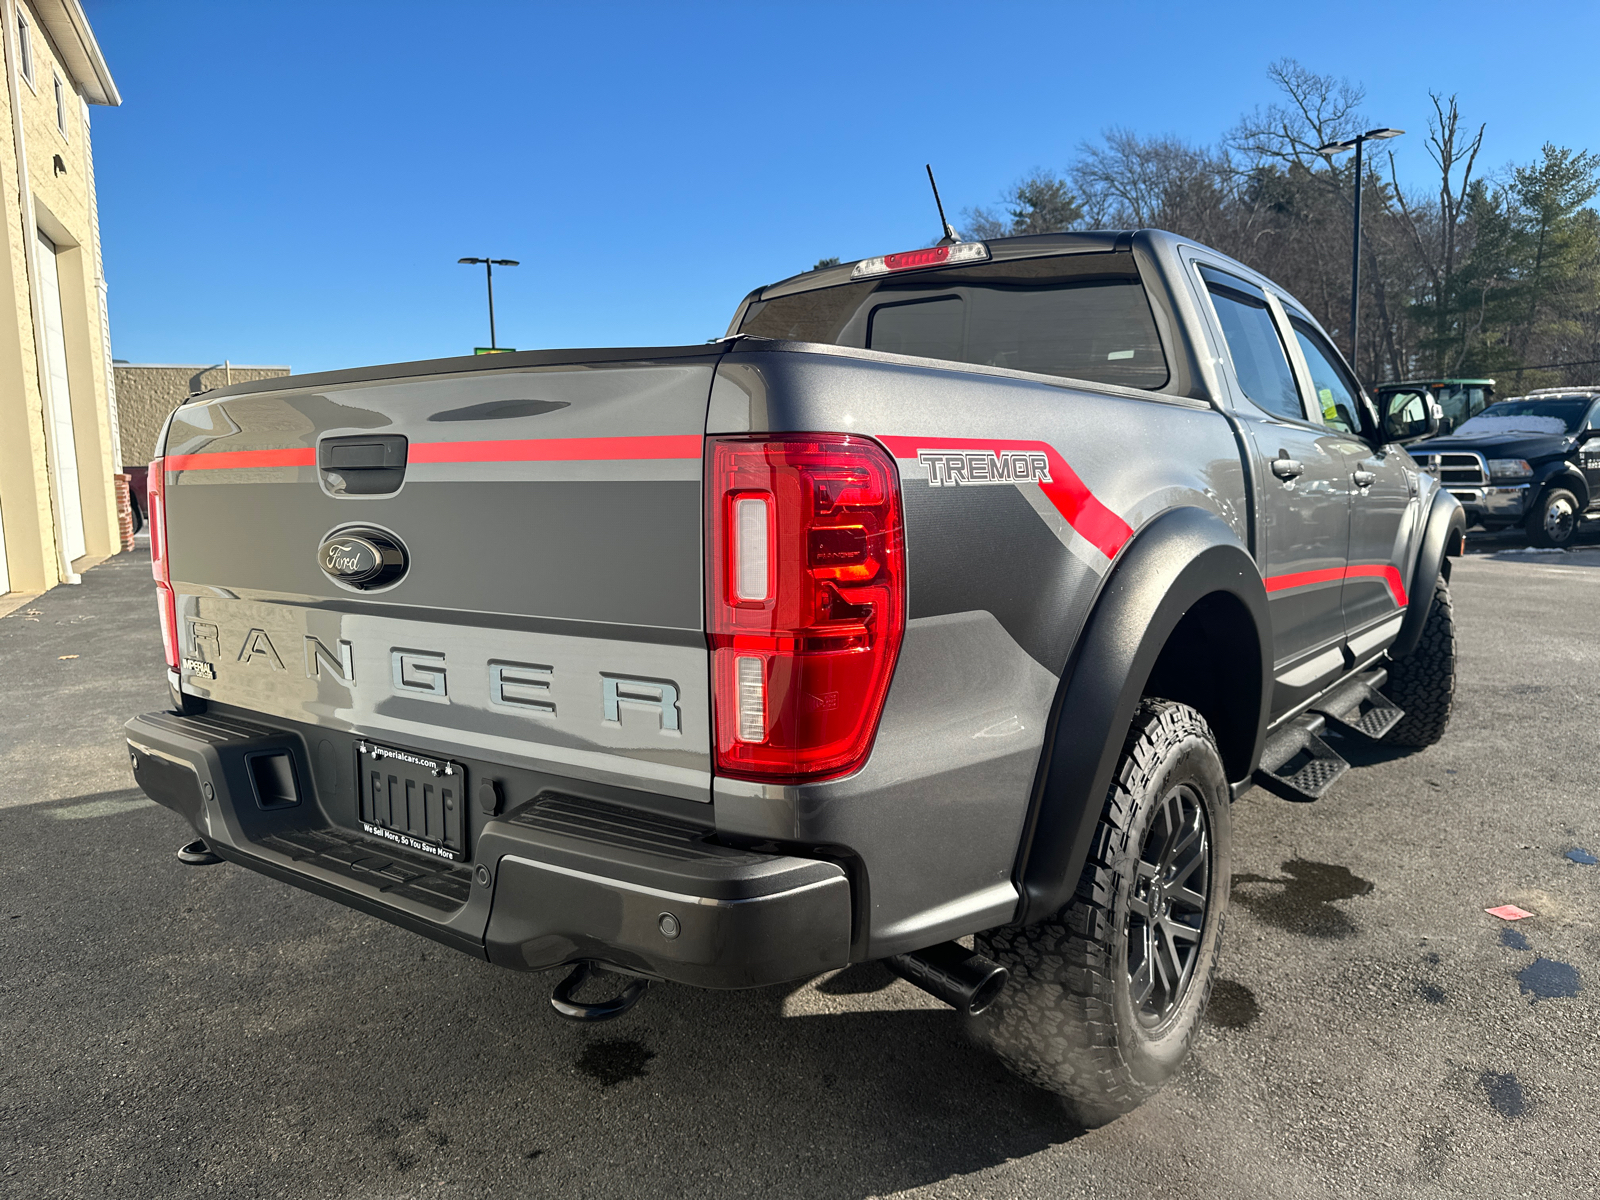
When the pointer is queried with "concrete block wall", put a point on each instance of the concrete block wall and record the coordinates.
(147, 392)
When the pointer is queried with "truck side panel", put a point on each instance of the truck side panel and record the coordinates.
(1003, 574)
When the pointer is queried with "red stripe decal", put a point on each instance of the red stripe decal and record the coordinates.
(291, 457)
(1096, 523)
(1390, 576)
(527, 450)
(609, 449)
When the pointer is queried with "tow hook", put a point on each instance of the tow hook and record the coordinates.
(561, 999)
(197, 854)
(964, 979)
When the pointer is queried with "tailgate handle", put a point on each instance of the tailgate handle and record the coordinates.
(363, 465)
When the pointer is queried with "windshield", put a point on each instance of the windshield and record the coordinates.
(1082, 316)
(1553, 417)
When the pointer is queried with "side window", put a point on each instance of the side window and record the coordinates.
(1257, 352)
(1335, 392)
(1594, 417)
(25, 42)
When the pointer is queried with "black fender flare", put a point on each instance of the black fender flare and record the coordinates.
(1182, 557)
(1560, 473)
(1444, 534)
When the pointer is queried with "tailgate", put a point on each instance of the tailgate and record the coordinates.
(542, 605)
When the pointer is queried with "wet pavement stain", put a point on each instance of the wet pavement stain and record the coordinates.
(1302, 903)
(1579, 855)
(1548, 979)
(1232, 1005)
(1505, 1093)
(614, 1060)
(1514, 938)
(1431, 992)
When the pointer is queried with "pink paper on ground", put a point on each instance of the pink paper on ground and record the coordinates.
(1508, 912)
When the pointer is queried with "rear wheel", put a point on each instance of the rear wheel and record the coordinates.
(1423, 683)
(1105, 996)
(1553, 521)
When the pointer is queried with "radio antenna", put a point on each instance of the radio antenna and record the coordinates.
(950, 238)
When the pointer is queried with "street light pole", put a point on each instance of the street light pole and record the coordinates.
(1355, 270)
(1328, 151)
(489, 264)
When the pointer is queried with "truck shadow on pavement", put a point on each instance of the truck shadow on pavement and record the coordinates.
(814, 1104)
(242, 1035)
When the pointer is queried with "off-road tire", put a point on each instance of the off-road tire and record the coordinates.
(1548, 530)
(1423, 683)
(1066, 1019)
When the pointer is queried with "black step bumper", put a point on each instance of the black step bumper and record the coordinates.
(562, 878)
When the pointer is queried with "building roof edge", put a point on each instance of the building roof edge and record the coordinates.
(68, 27)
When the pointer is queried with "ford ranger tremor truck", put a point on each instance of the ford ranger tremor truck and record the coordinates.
(1532, 461)
(934, 615)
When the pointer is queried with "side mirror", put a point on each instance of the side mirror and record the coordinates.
(1410, 417)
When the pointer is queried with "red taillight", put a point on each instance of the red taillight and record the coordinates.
(807, 601)
(914, 260)
(166, 602)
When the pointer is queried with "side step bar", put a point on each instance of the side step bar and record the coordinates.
(1297, 764)
(1361, 708)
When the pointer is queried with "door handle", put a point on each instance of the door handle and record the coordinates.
(1364, 479)
(1287, 468)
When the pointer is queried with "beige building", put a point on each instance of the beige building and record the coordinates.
(58, 414)
(147, 392)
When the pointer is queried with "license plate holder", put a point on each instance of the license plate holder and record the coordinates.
(413, 800)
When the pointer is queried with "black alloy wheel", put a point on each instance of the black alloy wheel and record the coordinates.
(1167, 908)
(1106, 995)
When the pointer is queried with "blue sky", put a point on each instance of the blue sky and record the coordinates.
(293, 182)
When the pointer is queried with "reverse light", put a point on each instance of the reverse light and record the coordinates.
(806, 590)
(916, 260)
(1510, 468)
(166, 602)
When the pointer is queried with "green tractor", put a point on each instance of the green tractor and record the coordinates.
(1459, 399)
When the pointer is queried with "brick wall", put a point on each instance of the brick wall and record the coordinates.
(147, 392)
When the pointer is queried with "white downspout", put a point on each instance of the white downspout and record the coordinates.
(30, 251)
(101, 288)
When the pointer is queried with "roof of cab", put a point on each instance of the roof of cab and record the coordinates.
(1036, 245)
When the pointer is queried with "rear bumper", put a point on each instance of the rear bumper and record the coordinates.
(560, 878)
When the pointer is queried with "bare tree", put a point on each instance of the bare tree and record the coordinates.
(1436, 233)
(1134, 181)
(1317, 109)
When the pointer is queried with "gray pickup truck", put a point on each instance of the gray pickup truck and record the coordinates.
(934, 615)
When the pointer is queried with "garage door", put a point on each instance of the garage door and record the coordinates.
(58, 403)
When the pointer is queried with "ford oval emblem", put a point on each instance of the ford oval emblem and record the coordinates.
(362, 558)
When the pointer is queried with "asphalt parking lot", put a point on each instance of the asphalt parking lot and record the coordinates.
(176, 1031)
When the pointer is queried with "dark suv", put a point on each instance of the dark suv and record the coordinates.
(1532, 460)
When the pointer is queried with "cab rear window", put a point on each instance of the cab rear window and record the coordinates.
(1079, 316)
